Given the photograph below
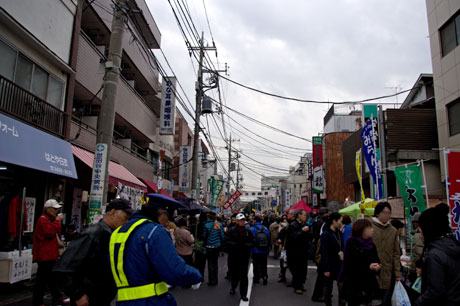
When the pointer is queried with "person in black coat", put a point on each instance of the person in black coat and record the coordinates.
(331, 245)
(297, 250)
(239, 244)
(441, 265)
(360, 266)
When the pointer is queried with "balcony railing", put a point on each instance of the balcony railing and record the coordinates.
(24, 105)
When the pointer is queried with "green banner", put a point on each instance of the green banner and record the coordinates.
(215, 187)
(410, 184)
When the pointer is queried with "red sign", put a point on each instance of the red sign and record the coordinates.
(317, 151)
(453, 160)
(232, 199)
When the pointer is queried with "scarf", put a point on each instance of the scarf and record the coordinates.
(366, 244)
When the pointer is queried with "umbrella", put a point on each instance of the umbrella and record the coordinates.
(363, 207)
(164, 202)
(302, 205)
(191, 205)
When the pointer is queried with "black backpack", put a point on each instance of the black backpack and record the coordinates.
(262, 242)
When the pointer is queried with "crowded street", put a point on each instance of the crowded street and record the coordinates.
(225, 153)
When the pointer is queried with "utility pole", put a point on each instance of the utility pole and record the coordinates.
(229, 166)
(199, 97)
(106, 119)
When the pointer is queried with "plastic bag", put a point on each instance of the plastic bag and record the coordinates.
(400, 297)
(283, 256)
(417, 286)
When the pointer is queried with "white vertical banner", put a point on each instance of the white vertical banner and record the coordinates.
(318, 180)
(184, 168)
(168, 107)
(288, 198)
(30, 208)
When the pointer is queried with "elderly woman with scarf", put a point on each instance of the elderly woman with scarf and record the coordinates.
(360, 266)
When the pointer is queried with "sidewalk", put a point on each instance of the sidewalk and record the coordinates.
(17, 294)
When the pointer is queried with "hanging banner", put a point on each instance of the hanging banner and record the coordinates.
(410, 184)
(370, 154)
(453, 160)
(133, 195)
(30, 208)
(358, 173)
(288, 198)
(75, 218)
(215, 187)
(318, 180)
(232, 199)
(97, 182)
(184, 177)
(317, 151)
(168, 106)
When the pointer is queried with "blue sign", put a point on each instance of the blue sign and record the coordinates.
(274, 202)
(370, 154)
(23, 145)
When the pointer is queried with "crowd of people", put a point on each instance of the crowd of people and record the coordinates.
(137, 256)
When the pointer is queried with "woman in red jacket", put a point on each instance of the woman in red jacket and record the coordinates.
(46, 251)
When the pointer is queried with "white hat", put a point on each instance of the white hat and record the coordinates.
(52, 203)
(240, 217)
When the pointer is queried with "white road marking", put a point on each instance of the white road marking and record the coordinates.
(273, 266)
(250, 277)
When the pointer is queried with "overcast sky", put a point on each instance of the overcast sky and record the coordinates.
(312, 49)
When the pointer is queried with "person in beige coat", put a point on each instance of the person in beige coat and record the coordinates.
(386, 241)
(184, 241)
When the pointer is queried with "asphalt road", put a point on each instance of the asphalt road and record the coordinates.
(272, 294)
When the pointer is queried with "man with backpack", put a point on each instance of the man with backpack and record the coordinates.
(260, 250)
(297, 250)
(213, 234)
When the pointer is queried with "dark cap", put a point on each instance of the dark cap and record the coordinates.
(323, 210)
(120, 204)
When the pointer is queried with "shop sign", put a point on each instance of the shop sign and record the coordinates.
(168, 107)
(21, 268)
(75, 218)
(288, 198)
(317, 151)
(318, 180)
(48, 153)
(184, 177)
(98, 176)
(453, 160)
(370, 154)
(30, 209)
(133, 195)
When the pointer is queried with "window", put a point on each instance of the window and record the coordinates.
(450, 35)
(7, 60)
(453, 113)
(25, 73)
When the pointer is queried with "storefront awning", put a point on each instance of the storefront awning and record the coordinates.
(151, 186)
(116, 171)
(26, 146)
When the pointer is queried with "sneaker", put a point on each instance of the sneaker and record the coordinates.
(299, 291)
(232, 291)
(244, 298)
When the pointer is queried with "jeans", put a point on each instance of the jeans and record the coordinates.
(44, 278)
(238, 265)
(260, 265)
(212, 255)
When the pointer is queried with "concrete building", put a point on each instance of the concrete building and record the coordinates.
(298, 183)
(444, 31)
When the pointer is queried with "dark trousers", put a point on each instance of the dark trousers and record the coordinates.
(318, 292)
(283, 269)
(276, 251)
(260, 265)
(200, 262)
(45, 278)
(212, 255)
(298, 265)
(238, 265)
(328, 284)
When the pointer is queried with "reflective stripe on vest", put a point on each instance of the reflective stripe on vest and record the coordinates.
(126, 293)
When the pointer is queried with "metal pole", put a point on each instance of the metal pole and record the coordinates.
(426, 185)
(106, 118)
(196, 136)
(21, 223)
(383, 151)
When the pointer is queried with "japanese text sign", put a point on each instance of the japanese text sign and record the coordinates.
(453, 159)
(168, 106)
(232, 199)
(370, 154)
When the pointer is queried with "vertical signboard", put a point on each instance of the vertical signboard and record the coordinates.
(168, 106)
(288, 198)
(318, 180)
(410, 184)
(184, 171)
(317, 151)
(370, 154)
(30, 209)
(97, 182)
(453, 160)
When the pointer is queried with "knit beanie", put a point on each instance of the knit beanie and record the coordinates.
(434, 222)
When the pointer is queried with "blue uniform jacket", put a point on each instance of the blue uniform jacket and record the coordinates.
(150, 257)
(257, 226)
